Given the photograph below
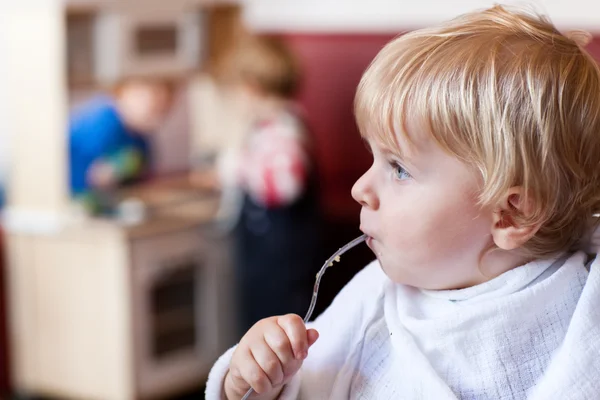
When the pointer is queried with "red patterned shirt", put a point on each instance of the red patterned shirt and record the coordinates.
(274, 162)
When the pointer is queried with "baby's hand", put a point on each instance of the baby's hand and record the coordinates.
(268, 356)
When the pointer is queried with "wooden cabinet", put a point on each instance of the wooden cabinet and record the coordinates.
(4, 371)
(102, 311)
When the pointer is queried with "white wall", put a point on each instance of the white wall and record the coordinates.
(391, 15)
(6, 129)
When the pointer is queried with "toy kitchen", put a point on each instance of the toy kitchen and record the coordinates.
(100, 308)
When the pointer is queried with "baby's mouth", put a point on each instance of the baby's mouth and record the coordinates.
(374, 246)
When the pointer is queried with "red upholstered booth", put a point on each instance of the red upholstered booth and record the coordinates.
(333, 64)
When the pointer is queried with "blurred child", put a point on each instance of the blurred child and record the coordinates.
(277, 231)
(485, 135)
(109, 136)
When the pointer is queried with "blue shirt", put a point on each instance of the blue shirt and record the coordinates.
(97, 132)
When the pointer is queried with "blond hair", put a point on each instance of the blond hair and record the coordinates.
(265, 62)
(507, 93)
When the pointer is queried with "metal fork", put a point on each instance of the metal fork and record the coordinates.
(313, 301)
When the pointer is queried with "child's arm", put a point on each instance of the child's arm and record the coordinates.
(110, 171)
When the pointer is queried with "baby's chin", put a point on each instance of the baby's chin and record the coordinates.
(393, 272)
(399, 275)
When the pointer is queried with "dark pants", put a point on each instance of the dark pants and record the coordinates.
(277, 260)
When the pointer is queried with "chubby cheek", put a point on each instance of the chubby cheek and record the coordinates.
(429, 238)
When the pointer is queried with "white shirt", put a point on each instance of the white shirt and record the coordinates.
(531, 333)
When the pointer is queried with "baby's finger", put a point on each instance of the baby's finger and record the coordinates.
(251, 374)
(237, 380)
(312, 335)
(268, 362)
(279, 342)
(295, 330)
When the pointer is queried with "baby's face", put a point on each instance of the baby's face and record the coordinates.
(421, 214)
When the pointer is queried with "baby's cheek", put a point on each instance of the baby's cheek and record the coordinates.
(411, 237)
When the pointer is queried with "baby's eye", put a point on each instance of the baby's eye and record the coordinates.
(399, 172)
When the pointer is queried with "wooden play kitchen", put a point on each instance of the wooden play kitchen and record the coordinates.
(104, 310)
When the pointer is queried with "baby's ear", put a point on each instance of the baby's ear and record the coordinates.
(508, 230)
